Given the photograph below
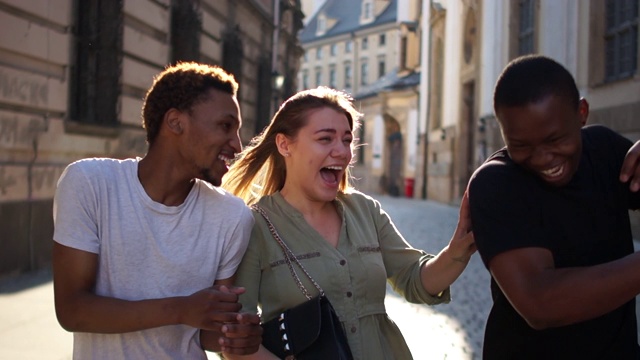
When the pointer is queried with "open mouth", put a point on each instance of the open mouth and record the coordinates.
(554, 172)
(228, 160)
(331, 174)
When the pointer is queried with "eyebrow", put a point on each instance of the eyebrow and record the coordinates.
(333, 131)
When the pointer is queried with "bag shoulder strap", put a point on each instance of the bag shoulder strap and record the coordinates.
(289, 256)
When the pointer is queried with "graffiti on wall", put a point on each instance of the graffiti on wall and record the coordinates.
(8, 180)
(18, 131)
(22, 182)
(24, 89)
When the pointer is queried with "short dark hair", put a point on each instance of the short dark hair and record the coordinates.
(180, 87)
(531, 78)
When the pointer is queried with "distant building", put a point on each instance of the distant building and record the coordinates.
(467, 43)
(73, 74)
(370, 49)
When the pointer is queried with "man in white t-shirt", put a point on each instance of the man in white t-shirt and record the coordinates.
(145, 250)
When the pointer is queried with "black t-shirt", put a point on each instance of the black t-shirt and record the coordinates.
(583, 223)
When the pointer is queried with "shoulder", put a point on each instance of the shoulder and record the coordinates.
(92, 168)
(494, 169)
(220, 194)
(600, 137)
(223, 201)
(357, 199)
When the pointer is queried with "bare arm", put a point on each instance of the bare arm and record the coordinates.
(549, 297)
(440, 272)
(79, 309)
(631, 167)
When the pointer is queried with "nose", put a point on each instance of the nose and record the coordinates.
(541, 156)
(341, 150)
(235, 142)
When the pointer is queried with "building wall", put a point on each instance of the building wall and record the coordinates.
(40, 129)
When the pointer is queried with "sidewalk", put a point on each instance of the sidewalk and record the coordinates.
(28, 325)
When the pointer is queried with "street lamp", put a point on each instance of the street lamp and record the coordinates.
(277, 81)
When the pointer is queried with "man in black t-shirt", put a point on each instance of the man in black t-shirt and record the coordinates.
(551, 223)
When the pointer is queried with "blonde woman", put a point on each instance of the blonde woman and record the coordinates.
(297, 170)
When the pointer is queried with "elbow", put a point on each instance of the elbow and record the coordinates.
(539, 317)
(68, 318)
(65, 321)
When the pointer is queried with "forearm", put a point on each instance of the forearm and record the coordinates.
(569, 295)
(87, 312)
(440, 272)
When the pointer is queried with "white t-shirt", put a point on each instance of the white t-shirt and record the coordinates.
(147, 250)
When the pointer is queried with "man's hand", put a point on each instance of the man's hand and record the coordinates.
(243, 337)
(631, 168)
(211, 308)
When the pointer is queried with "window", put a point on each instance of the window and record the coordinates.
(348, 46)
(621, 39)
(347, 75)
(305, 79)
(319, 53)
(382, 40)
(381, 66)
(306, 56)
(318, 76)
(333, 50)
(526, 30)
(322, 25)
(364, 73)
(365, 43)
(95, 87)
(367, 12)
(332, 77)
(403, 52)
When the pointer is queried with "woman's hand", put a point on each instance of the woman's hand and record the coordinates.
(462, 244)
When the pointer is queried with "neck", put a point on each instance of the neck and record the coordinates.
(161, 181)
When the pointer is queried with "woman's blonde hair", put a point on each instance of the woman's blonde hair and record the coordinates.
(260, 169)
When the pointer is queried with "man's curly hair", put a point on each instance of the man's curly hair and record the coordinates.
(180, 87)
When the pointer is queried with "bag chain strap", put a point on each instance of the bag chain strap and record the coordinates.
(288, 255)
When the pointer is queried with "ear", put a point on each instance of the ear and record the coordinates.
(282, 143)
(173, 120)
(583, 111)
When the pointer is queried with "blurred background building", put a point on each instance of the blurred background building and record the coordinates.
(73, 74)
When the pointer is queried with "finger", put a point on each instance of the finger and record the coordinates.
(241, 330)
(238, 290)
(631, 163)
(241, 342)
(223, 295)
(247, 318)
(216, 321)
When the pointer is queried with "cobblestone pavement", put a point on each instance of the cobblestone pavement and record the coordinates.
(446, 331)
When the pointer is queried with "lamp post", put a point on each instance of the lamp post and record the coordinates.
(277, 81)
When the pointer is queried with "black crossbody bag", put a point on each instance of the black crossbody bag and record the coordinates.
(309, 331)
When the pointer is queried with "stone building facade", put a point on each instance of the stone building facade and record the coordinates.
(371, 50)
(73, 74)
(467, 43)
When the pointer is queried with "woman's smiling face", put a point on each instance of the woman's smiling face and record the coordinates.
(318, 157)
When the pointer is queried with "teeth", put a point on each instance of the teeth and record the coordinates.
(553, 172)
(334, 167)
